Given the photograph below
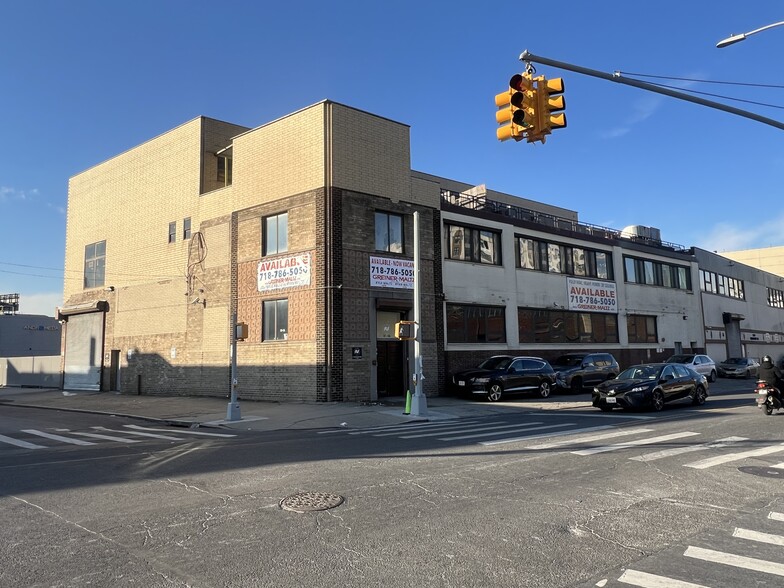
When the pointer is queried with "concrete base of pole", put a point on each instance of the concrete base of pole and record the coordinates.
(419, 405)
(233, 412)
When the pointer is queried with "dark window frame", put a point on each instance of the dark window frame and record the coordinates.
(543, 325)
(186, 228)
(95, 265)
(472, 323)
(173, 232)
(641, 328)
(281, 246)
(275, 319)
(583, 262)
(651, 272)
(471, 244)
(387, 218)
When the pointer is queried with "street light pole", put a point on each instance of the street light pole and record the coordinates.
(732, 39)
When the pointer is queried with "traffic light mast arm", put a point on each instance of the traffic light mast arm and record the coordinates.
(526, 56)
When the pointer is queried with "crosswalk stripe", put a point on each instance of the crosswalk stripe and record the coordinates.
(20, 443)
(645, 580)
(182, 432)
(589, 438)
(776, 516)
(720, 459)
(648, 441)
(140, 434)
(464, 430)
(758, 536)
(105, 437)
(397, 429)
(544, 435)
(738, 561)
(60, 438)
(521, 430)
(679, 450)
(399, 426)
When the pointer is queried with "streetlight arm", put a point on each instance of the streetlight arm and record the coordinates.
(737, 38)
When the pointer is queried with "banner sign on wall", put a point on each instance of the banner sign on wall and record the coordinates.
(391, 272)
(592, 295)
(284, 272)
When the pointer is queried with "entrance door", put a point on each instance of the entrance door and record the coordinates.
(391, 372)
(83, 351)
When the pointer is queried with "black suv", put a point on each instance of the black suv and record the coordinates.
(503, 375)
(574, 371)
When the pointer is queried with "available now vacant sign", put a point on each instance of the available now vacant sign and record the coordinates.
(391, 272)
(592, 295)
(284, 272)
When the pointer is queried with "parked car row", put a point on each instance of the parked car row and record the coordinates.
(682, 376)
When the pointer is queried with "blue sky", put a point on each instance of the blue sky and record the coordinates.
(81, 81)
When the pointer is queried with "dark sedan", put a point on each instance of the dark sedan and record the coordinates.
(651, 386)
(509, 375)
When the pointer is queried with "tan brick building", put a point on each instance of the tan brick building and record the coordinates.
(279, 224)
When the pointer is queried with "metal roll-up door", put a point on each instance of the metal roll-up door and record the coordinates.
(83, 351)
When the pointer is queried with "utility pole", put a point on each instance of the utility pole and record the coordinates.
(233, 409)
(527, 57)
(419, 400)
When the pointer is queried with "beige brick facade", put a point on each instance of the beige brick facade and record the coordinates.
(329, 168)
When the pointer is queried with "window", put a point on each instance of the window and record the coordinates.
(722, 285)
(562, 259)
(224, 170)
(656, 273)
(566, 326)
(470, 244)
(172, 232)
(95, 264)
(775, 298)
(475, 324)
(186, 228)
(389, 232)
(276, 234)
(641, 329)
(275, 320)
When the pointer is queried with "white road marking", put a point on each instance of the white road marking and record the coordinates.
(182, 432)
(400, 426)
(106, 437)
(679, 450)
(388, 432)
(720, 459)
(589, 438)
(776, 516)
(648, 441)
(60, 438)
(523, 430)
(140, 434)
(758, 536)
(645, 580)
(547, 435)
(19, 443)
(464, 430)
(738, 561)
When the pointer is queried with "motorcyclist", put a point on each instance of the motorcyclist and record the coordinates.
(769, 372)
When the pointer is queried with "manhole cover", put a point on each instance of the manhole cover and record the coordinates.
(310, 501)
(765, 472)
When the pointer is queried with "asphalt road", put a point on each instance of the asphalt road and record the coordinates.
(567, 498)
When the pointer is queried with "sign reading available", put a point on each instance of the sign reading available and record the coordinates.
(391, 272)
(284, 272)
(592, 295)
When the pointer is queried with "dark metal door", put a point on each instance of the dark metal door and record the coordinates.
(391, 373)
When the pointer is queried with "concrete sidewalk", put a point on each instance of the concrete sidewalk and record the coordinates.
(270, 416)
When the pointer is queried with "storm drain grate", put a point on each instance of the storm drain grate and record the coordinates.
(765, 472)
(310, 501)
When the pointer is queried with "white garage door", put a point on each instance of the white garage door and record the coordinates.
(83, 351)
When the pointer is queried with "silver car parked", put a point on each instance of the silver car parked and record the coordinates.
(702, 364)
(738, 367)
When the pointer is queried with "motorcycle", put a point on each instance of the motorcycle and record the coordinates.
(768, 398)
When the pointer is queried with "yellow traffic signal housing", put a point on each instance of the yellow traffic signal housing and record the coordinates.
(551, 104)
(517, 106)
(405, 330)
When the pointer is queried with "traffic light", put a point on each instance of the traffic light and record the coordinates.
(517, 106)
(551, 104)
